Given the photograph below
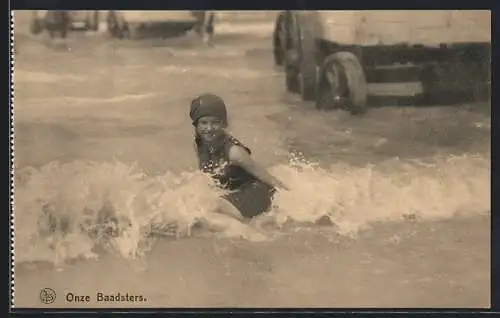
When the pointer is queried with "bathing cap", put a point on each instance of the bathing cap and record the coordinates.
(208, 105)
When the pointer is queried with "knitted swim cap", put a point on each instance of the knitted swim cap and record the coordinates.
(208, 105)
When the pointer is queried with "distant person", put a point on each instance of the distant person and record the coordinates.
(250, 186)
(205, 26)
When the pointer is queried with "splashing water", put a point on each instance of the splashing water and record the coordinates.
(64, 211)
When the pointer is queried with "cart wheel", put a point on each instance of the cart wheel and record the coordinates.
(342, 84)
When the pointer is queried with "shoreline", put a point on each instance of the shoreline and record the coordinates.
(394, 256)
(325, 228)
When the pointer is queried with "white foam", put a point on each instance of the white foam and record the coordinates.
(353, 198)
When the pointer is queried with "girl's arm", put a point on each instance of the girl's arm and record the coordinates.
(239, 156)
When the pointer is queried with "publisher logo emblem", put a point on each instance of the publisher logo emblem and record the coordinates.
(47, 296)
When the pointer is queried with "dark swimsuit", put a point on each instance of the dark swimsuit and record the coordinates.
(248, 194)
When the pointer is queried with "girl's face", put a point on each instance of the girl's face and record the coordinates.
(210, 128)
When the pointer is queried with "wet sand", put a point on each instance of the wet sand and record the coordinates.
(129, 101)
(427, 265)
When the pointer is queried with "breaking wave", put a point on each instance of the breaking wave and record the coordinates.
(66, 211)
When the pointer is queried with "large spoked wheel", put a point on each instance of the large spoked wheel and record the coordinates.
(300, 63)
(342, 84)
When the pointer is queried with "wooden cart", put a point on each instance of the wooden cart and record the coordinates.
(331, 56)
(127, 24)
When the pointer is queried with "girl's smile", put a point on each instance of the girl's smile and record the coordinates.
(210, 128)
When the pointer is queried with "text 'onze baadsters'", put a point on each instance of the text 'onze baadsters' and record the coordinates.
(104, 297)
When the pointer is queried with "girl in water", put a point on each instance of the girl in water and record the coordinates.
(250, 187)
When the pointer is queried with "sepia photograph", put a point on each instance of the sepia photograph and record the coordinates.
(251, 159)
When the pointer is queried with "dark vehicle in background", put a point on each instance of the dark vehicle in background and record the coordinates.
(58, 22)
(330, 57)
(124, 24)
(128, 24)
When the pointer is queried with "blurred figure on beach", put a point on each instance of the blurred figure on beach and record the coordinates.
(205, 26)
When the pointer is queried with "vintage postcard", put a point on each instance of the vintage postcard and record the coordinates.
(251, 159)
